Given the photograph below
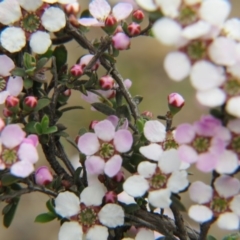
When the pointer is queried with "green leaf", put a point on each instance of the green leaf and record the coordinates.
(8, 217)
(50, 130)
(8, 179)
(28, 83)
(38, 128)
(82, 131)
(60, 53)
(18, 72)
(30, 127)
(232, 236)
(210, 237)
(42, 103)
(77, 174)
(123, 111)
(45, 123)
(41, 63)
(50, 206)
(29, 61)
(103, 108)
(109, 57)
(138, 99)
(70, 108)
(6, 209)
(131, 208)
(47, 54)
(140, 124)
(85, 13)
(92, 81)
(177, 203)
(45, 217)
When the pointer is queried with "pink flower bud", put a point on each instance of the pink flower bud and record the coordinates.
(30, 101)
(67, 93)
(121, 41)
(84, 61)
(175, 102)
(92, 124)
(138, 16)
(7, 112)
(106, 82)
(134, 29)
(110, 21)
(73, 20)
(110, 197)
(119, 177)
(72, 8)
(147, 114)
(11, 102)
(2, 124)
(76, 70)
(43, 176)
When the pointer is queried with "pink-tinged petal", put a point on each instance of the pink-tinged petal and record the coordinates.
(169, 161)
(91, 97)
(14, 86)
(122, 10)
(93, 195)
(234, 205)
(67, 204)
(217, 146)
(144, 234)
(95, 231)
(154, 131)
(185, 133)
(6, 65)
(187, 154)
(228, 162)
(200, 213)
(227, 186)
(127, 83)
(34, 139)
(88, 144)
(2, 165)
(152, 151)
(88, 22)
(94, 165)
(207, 162)
(147, 5)
(160, 198)
(125, 198)
(113, 119)
(3, 96)
(99, 9)
(123, 140)
(104, 130)
(229, 221)
(113, 165)
(234, 125)
(178, 181)
(12, 135)
(70, 231)
(111, 215)
(146, 169)
(136, 186)
(22, 169)
(28, 152)
(200, 192)
(223, 133)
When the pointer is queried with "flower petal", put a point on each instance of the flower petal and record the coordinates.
(96, 231)
(229, 221)
(152, 151)
(122, 10)
(234, 205)
(10, 12)
(88, 144)
(184, 133)
(6, 65)
(146, 169)
(169, 8)
(111, 215)
(40, 42)
(154, 131)
(187, 154)
(14, 86)
(29, 5)
(232, 106)
(22, 169)
(99, 9)
(67, 204)
(136, 186)
(3, 96)
(147, 5)
(123, 140)
(70, 231)
(94, 165)
(28, 152)
(160, 198)
(200, 213)
(104, 130)
(207, 162)
(178, 181)
(113, 165)
(87, 22)
(144, 234)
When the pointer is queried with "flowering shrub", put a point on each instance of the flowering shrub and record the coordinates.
(132, 168)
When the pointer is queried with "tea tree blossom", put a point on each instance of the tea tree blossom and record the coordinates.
(103, 148)
(86, 215)
(17, 152)
(101, 10)
(159, 180)
(221, 202)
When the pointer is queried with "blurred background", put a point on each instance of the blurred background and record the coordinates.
(143, 65)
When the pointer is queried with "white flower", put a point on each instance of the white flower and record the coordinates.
(231, 28)
(147, 5)
(40, 41)
(10, 11)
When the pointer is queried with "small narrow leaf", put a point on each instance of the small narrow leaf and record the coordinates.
(8, 217)
(28, 83)
(42, 103)
(50, 206)
(71, 108)
(50, 130)
(45, 122)
(60, 53)
(210, 237)
(45, 217)
(103, 108)
(18, 72)
(131, 208)
(123, 111)
(8, 179)
(41, 63)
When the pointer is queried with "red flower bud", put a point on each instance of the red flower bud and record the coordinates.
(106, 82)
(92, 124)
(11, 102)
(7, 112)
(72, 8)
(121, 41)
(110, 21)
(134, 29)
(30, 101)
(147, 114)
(43, 176)
(138, 16)
(110, 197)
(175, 102)
(67, 92)
(76, 70)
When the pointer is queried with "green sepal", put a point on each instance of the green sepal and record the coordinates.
(29, 61)
(41, 63)
(50, 130)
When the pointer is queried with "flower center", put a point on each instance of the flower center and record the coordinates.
(169, 144)
(201, 144)
(235, 144)
(9, 156)
(107, 150)
(158, 180)
(232, 87)
(87, 217)
(2, 84)
(187, 16)
(197, 50)
(219, 204)
(30, 22)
